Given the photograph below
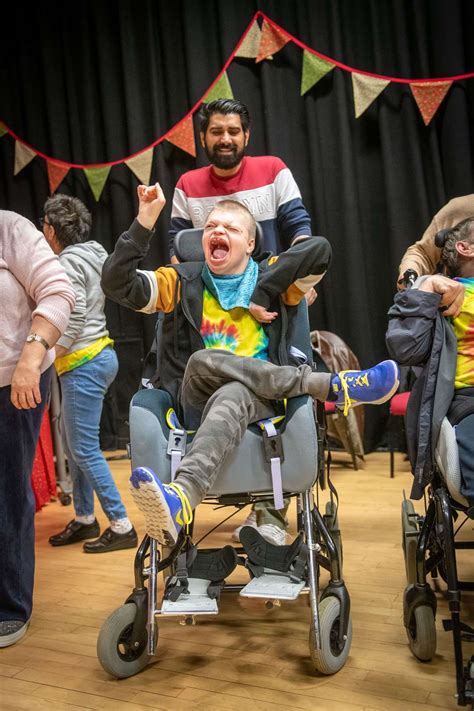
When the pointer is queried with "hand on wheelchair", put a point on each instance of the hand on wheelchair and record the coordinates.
(151, 201)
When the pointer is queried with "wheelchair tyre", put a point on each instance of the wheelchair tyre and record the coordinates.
(114, 652)
(409, 540)
(332, 523)
(421, 633)
(329, 659)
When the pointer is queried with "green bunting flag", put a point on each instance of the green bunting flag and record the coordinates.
(96, 177)
(314, 69)
(3, 130)
(220, 90)
(250, 46)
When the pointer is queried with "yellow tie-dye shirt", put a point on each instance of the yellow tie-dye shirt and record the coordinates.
(464, 330)
(235, 330)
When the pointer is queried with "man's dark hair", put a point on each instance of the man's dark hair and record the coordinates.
(223, 106)
(462, 232)
(70, 218)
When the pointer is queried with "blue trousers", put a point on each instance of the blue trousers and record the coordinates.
(465, 438)
(19, 432)
(83, 390)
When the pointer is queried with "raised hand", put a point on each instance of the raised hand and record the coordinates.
(151, 201)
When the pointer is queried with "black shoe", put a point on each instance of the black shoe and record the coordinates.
(111, 541)
(75, 532)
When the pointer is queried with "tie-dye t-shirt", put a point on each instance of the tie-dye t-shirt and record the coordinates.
(464, 330)
(235, 330)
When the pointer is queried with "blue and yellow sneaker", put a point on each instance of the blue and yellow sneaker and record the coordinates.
(165, 506)
(365, 387)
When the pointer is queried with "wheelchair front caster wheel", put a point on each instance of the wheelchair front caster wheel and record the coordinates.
(114, 649)
(421, 633)
(331, 656)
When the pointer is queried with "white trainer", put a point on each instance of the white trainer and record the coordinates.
(251, 520)
(272, 534)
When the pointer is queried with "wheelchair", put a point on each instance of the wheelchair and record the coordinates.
(194, 578)
(429, 547)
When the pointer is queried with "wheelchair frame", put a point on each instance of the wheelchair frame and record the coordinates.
(430, 550)
(128, 638)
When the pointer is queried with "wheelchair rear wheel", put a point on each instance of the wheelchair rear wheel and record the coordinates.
(421, 633)
(331, 657)
(114, 650)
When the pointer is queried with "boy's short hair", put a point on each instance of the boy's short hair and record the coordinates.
(462, 232)
(223, 106)
(70, 218)
(236, 206)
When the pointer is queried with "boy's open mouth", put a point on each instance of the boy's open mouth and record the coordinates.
(219, 248)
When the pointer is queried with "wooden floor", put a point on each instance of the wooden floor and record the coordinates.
(247, 653)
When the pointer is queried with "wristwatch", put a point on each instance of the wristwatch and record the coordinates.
(35, 337)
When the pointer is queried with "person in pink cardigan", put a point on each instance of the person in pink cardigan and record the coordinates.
(36, 300)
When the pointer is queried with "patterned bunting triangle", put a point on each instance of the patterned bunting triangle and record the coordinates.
(271, 41)
(220, 90)
(314, 69)
(366, 89)
(429, 95)
(56, 174)
(23, 156)
(96, 177)
(140, 166)
(251, 44)
(3, 129)
(183, 135)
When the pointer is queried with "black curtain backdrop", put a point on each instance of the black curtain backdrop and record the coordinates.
(90, 82)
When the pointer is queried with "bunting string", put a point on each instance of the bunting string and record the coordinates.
(260, 41)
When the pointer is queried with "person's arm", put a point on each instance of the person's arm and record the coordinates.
(180, 217)
(25, 391)
(412, 317)
(290, 275)
(122, 280)
(293, 221)
(423, 256)
(77, 320)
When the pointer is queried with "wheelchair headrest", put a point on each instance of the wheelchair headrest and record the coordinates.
(188, 244)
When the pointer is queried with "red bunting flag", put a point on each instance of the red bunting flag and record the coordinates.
(56, 174)
(429, 95)
(183, 136)
(271, 41)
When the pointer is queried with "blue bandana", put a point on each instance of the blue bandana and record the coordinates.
(232, 290)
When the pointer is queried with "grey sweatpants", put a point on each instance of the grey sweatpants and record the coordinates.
(221, 395)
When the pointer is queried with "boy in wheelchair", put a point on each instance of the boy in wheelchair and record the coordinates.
(225, 360)
(432, 325)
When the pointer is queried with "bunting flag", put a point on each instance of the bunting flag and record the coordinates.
(56, 174)
(314, 69)
(183, 135)
(96, 177)
(3, 130)
(366, 89)
(251, 44)
(23, 156)
(272, 40)
(140, 166)
(220, 90)
(429, 95)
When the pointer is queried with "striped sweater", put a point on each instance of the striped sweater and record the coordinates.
(263, 183)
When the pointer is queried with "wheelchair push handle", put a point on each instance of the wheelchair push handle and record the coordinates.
(408, 278)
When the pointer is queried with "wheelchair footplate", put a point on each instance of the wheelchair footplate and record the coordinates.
(278, 571)
(195, 602)
(199, 578)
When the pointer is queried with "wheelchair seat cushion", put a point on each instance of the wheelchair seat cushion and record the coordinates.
(447, 460)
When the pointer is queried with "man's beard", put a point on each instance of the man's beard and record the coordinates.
(224, 161)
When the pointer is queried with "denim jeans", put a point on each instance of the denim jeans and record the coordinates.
(82, 396)
(19, 431)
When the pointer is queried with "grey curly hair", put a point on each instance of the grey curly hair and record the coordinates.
(462, 232)
(70, 218)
